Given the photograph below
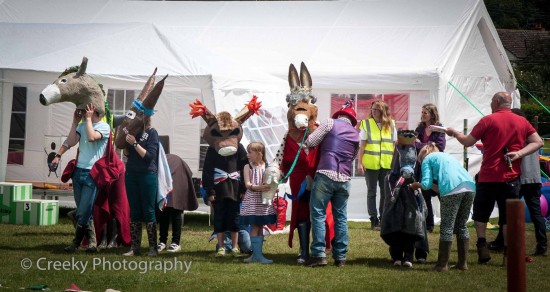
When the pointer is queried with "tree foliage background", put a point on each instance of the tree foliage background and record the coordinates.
(533, 72)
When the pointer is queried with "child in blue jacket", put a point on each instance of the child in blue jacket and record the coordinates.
(457, 190)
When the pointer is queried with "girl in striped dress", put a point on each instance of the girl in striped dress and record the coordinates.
(253, 212)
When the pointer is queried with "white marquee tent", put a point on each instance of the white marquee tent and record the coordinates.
(224, 52)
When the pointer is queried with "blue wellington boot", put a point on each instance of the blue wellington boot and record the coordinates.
(257, 245)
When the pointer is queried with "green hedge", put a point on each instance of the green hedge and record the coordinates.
(534, 109)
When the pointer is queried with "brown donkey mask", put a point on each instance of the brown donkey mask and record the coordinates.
(222, 132)
(142, 108)
(302, 111)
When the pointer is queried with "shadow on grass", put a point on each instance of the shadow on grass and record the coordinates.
(44, 233)
(49, 248)
(384, 263)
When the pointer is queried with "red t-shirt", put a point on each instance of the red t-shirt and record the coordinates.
(496, 131)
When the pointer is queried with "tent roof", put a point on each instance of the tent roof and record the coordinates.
(351, 37)
(119, 50)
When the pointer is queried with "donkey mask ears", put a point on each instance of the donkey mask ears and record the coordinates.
(296, 82)
(293, 79)
(305, 78)
(82, 68)
(147, 87)
(154, 95)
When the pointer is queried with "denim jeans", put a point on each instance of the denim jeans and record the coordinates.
(244, 240)
(324, 190)
(85, 192)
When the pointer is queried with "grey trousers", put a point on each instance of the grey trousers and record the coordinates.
(372, 177)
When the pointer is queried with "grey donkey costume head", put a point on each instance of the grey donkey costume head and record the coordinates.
(76, 87)
(407, 152)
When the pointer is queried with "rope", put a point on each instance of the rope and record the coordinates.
(466, 98)
(523, 88)
(295, 158)
(532, 96)
(544, 174)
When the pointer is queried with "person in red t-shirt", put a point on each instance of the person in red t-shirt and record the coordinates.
(503, 135)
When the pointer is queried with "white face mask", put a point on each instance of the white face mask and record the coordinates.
(131, 115)
(227, 151)
(301, 121)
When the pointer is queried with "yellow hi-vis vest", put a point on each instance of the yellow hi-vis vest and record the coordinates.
(379, 145)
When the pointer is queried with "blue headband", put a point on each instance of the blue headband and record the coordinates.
(141, 108)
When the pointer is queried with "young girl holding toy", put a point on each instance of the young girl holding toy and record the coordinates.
(253, 212)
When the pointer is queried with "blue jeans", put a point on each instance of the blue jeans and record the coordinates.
(324, 190)
(244, 240)
(85, 192)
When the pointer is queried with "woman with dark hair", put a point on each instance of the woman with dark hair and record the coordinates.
(429, 117)
(142, 184)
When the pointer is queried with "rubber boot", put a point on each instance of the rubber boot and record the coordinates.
(303, 235)
(443, 256)
(104, 232)
(152, 237)
(72, 216)
(250, 259)
(114, 234)
(135, 235)
(463, 246)
(92, 240)
(78, 236)
(257, 246)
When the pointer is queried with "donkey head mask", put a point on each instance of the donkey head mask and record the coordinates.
(75, 86)
(134, 122)
(222, 132)
(302, 111)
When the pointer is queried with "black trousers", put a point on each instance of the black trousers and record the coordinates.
(428, 194)
(402, 250)
(164, 218)
(531, 194)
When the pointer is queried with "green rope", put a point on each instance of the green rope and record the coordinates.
(522, 87)
(544, 107)
(466, 98)
(295, 158)
(532, 96)
(544, 174)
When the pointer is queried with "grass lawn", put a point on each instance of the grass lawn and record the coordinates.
(368, 267)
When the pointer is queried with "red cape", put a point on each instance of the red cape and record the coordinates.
(305, 165)
(113, 202)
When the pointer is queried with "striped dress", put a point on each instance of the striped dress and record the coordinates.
(253, 212)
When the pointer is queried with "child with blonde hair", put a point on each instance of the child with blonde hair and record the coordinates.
(253, 212)
(457, 190)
